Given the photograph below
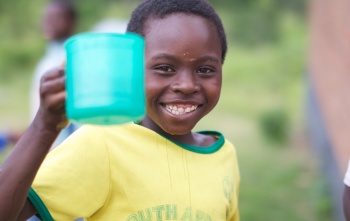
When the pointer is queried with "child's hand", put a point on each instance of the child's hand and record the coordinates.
(51, 113)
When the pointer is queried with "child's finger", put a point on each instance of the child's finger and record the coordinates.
(53, 73)
(53, 85)
(54, 101)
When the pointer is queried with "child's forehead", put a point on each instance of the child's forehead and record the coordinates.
(178, 21)
(182, 35)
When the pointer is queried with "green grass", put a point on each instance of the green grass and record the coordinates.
(280, 180)
(14, 103)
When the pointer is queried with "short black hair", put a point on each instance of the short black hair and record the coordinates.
(161, 8)
(68, 6)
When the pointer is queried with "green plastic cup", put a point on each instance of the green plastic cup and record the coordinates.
(105, 78)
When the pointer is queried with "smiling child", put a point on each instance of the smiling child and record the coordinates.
(155, 169)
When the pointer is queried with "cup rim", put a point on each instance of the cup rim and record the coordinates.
(86, 35)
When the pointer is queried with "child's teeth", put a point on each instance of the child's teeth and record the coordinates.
(180, 111)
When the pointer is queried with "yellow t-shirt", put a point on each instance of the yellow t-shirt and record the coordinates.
(131, 173)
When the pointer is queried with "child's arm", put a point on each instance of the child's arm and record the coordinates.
(19, 169)
(346, 196)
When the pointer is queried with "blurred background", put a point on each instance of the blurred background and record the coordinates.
(262, 110)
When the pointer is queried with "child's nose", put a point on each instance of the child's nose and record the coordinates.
(185, 82)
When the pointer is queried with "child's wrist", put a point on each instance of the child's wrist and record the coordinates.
(347, 176)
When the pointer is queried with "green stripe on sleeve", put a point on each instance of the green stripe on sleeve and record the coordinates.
(39, 206)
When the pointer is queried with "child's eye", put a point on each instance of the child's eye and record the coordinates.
(205, 70)
(165, 68)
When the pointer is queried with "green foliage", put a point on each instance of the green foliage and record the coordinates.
(275, 125)
(257, 22)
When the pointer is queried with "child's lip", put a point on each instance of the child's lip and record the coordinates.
(182, 102)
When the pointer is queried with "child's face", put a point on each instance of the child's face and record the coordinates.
(56, 23)
(183, 72)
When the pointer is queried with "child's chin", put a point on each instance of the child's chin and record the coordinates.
(178, 131)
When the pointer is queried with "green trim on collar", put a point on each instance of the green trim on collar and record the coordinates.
(197, 149)
(39, 206)
(204, 150)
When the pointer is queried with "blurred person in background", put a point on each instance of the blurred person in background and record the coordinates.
(58, 24)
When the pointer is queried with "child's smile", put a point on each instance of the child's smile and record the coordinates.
(183, 72)
(180, 109)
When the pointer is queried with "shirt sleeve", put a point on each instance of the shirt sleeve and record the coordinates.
(74, 179)
(347, 176)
